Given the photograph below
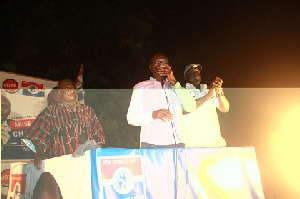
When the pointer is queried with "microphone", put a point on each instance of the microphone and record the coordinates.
(162, 78)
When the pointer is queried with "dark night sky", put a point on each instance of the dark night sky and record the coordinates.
(247, 43)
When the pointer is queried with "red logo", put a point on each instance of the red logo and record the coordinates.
(5, 177)
(21, 124)
(18, 183)
(32, 85)
(10, 85)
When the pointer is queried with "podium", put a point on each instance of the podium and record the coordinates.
(229, 172)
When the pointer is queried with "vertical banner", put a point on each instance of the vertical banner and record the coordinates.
(23, 178)
(17, 181)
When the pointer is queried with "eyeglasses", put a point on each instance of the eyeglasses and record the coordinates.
(160, 61)
(69, 88)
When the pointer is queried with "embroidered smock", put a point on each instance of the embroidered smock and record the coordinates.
(60, 130)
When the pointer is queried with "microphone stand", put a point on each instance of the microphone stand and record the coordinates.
(163, 81)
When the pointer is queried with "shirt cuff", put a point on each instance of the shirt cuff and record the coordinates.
(177, 85)
(29, 144)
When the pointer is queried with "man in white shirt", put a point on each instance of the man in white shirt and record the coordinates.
(155, 106)
(203, 124)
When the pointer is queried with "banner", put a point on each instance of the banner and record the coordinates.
(149, 173)
(122, 177)
(23, 177)
(22, 99)
(25, 98)
(72, 175)
(5, 172)
(177, 173)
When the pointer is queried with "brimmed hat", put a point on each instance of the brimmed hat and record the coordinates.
(187, 68)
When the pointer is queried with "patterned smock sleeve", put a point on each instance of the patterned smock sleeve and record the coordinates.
(97, 130)
(39, 131)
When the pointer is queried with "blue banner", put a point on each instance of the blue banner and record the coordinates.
(175, 173)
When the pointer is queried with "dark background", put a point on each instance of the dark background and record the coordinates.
(254, 46)
(247, 43)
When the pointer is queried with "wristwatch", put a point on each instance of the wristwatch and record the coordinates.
(220, 94)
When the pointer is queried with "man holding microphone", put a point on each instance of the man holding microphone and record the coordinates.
(157, 105)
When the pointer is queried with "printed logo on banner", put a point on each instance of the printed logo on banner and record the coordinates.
(5, 177)
(123, 180)
(20, 124)
(10, 86)
(33, 89)
(122, 177)
(18, 129)
(18, 185)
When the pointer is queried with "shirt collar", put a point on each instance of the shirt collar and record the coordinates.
(191, 86)
(155, 80)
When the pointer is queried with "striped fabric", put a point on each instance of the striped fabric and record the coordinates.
(59, 130)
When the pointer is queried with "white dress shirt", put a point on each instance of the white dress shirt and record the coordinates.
(148, 96)
(202, 125)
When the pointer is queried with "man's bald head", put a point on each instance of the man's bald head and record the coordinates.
(64, 82)
(158, 56)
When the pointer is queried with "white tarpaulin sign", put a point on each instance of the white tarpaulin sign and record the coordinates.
(27, 96)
